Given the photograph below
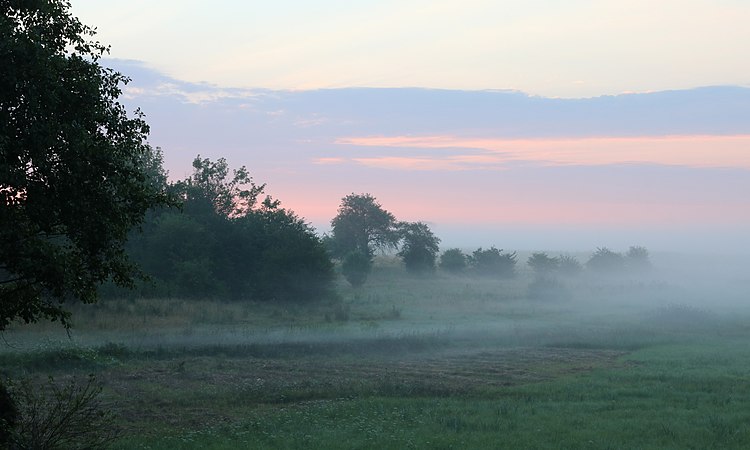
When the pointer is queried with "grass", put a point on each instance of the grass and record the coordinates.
(415, 362)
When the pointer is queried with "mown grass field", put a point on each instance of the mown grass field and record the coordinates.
(410, 362)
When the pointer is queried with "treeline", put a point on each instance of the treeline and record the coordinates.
(223, 238)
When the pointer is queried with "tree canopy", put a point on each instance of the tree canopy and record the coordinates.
(362, 225)
(72, 176)
(419, 247)
(225, 243)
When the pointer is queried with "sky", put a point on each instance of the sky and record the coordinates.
(533, 124)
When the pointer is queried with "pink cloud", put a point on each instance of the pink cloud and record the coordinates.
(691, 151)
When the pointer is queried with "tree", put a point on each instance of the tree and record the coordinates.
(494, 262)
(226, 244)
(604, 260)
(453, 260)
(362, 225)
(72, 180)
(419, 248)
(637, 259)
(356, 268)
(542, 264)
(568, 265)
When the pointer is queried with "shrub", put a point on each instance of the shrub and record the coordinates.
(568, 265)
(542, 264)
(67, 416)
(453, 260)
(605, 260)
(637, 259)
(494, 262)
(420, 247)
(356, 268)
(8, 417)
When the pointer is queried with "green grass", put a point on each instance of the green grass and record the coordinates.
(415, 362)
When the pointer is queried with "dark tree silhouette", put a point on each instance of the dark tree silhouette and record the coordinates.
(453, 260)
(72, 175)
(419, 247)
(362, 225)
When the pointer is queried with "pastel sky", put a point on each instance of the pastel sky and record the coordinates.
(572, 48)
(527, 125)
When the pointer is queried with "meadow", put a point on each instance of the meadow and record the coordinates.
(439, 361)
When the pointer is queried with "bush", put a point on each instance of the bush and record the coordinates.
(420, 247)
(568, 265)
(356, 268)
(453, 260)
(542, 264)
(637, 259)
(67, 416)
(8, 417)
(494, 262)
(605, 260)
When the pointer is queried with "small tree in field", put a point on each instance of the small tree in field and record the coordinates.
(356, 267)
(604, 260)
(494, 262)
(542, 264)
(568, 265)
(420, 247)
(453, 260)
(637, 259)
(362, 225)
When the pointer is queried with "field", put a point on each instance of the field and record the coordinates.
(419, 362)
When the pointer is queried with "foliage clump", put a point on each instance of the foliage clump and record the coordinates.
(227, 243)
(493, 262)
(605, 261)
(60, 416)
(356, 267)
(419, 247)
(453, 260)
(362, 225)
(72, 178)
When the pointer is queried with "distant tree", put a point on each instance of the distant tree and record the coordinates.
(419, 247)
(356, 267)
(604, 260)
(568, 265)
(72, 180)
(494, 262)
(210, 189)
(362, 225)
(453, 260)
(542, 264)
(637, 259)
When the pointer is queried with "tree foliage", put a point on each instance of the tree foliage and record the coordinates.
(637, 259)
(453, 260)
(494, 262)
(72, 180)
(542, 264)
(419, 247)
(225, 243)
(604, 260)
(356, 267)
(362, 225)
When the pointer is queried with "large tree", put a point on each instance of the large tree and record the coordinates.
(73, 180)
(363, 226)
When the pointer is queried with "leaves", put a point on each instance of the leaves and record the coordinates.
(71, 164)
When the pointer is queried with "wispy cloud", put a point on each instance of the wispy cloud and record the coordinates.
(701, 151)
